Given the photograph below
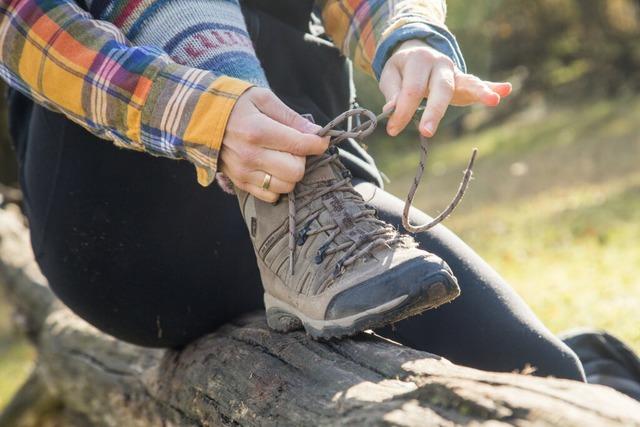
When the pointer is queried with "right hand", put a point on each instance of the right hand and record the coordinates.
(416, 71)
(263, 135)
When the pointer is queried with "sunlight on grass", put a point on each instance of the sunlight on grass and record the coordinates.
(572, 255)
(16, 357)
(555, 208)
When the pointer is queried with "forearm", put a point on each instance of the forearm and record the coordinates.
(367, 31)
(55, 53)
(206, 34)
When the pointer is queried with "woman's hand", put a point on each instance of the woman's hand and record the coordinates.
(263, 136)
(416, 71)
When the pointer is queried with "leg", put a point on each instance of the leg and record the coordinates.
(131, 243)
(489, 326)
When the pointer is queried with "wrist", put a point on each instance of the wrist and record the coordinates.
(190, 126)
(435, 37)
(410, 44)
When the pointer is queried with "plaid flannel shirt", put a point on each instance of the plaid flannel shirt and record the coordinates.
(137, 97)
(367, 31)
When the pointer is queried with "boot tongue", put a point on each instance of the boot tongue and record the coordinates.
(328, 172)
(338, 208)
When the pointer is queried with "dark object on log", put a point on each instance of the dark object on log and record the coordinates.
(607, 360)
(244, 374)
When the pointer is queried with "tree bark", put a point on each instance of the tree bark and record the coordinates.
(245, 374)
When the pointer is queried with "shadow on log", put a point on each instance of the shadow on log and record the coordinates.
(245, 374)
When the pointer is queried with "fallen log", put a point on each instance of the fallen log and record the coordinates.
(245, 374)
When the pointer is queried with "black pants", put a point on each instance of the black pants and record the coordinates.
(132, 244)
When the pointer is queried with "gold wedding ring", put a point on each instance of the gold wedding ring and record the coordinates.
(266, 182)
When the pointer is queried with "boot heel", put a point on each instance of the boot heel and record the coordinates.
(279, 319)
(282, 321)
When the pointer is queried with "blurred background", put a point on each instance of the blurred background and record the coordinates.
(555, 204)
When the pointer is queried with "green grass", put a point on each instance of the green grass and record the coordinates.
(554, 207)
(16, 356)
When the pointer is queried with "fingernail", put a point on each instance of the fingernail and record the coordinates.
(493, 99)
(309, 127)
(392, 130)
(504, 89)
(429, 128)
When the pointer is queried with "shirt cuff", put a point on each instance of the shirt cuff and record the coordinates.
(209, 122)
(186, 114)
(436, 37)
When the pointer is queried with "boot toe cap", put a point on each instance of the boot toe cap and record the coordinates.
(423, 280)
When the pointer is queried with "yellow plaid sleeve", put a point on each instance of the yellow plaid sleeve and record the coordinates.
(135, 96)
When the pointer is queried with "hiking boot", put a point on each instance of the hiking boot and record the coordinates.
(347, 271)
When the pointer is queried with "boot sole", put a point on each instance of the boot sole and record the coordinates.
(283, 317)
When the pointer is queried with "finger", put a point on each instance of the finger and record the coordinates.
(503, 89)
(487, 96)
(471, 90)
(277, 136)
(285, 166)
(270, 105)
(441, 87)
(414, 86)
(389, 105)
(390, 83)
(264, 195)
(276, 185)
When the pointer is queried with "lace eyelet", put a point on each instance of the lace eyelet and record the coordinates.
(302, 238)
(302, 235)
(321, 253)
(339, 269)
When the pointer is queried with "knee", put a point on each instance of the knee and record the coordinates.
(168, 322)
(558, 361)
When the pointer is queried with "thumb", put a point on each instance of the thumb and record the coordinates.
(270, 105)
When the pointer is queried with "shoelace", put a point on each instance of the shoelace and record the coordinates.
(386, 234)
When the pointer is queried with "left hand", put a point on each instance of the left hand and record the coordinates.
(416, 71)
